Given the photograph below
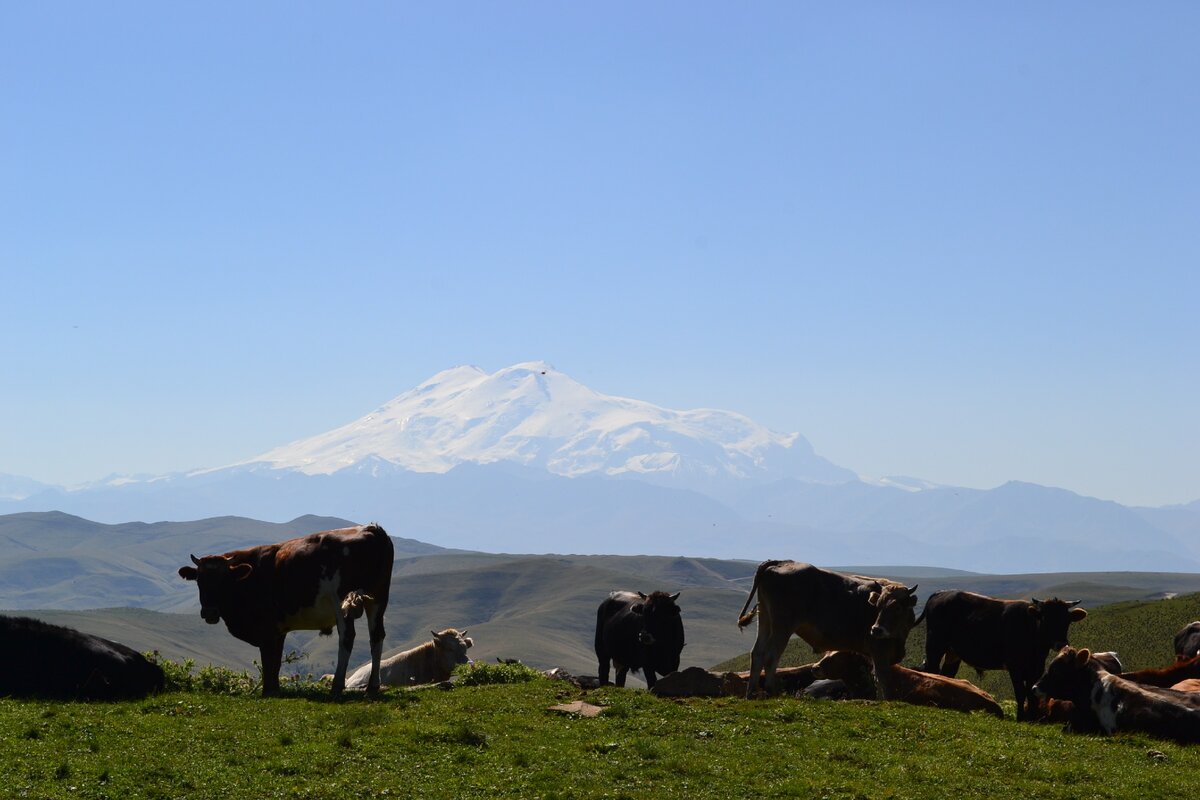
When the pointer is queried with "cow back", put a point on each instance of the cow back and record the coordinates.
(44, 660)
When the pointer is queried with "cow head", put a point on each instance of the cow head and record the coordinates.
(894, 618)
(1053, 618)
(452, 645)
(214, 575)
(1068, 677)
(662, 631)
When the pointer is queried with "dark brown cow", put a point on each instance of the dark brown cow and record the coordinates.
(989, 633)
(1168, 675)
(301, 584)
(828, 610)
(1115, 704)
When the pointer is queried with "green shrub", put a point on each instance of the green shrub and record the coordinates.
(480, 674)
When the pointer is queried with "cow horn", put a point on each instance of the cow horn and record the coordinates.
(1073, 603)
(641, 595)
(913, 588)
(195, 561)
(674, 597)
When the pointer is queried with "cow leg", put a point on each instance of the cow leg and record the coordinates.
(376, 632)
(934, 651)
(605, 662)
(950, 665)
(345, 628)
(757, 658)
(1023, 696)
(271, 653)
(622, 671)
(771, 655)
(648, 674)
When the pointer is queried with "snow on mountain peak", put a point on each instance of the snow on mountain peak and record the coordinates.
(536, 416)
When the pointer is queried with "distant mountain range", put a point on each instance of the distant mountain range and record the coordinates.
(528, 460)
(120, 582)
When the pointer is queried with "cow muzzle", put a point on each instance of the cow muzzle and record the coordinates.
(645, 638)
(878, 632)
(211, 615)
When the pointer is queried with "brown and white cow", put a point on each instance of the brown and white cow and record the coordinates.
(301, 584)
(989, 633)
(432, 662)
(1115, 704)
(828, 610)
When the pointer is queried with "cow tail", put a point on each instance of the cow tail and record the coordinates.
(745, 619)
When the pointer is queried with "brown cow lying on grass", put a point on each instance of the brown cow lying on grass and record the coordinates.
(1173, 673)
(1115, 704)
(432, 662)
(910, 686)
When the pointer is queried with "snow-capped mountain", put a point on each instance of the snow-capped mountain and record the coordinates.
(528, 460)
(535, 416)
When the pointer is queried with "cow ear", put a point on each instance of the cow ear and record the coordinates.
(1082, 656)
(637, 608)
(1034, 609)
(1077, 614)
(912, 600)
(874, 598)
(639, 594)
(436, 635)
(241, 571)
(188, 573)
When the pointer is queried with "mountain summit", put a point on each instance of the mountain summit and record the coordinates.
(533, 415)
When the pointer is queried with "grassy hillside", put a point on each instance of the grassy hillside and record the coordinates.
(502, 741)
(1141, 633)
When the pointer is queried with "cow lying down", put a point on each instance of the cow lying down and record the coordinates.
(432, 662)
(43, 660)
(1112, 703)
(905, 685)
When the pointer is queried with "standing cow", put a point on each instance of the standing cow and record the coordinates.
(635, 631)
(44, 660)
(828, 610)
(315, 582)
(988, 633)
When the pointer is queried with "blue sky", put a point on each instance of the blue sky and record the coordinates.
(953, 241)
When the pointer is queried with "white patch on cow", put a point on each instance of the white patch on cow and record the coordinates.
(1105, 704)
(323, 612)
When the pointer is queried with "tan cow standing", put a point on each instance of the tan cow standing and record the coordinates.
(432, 662)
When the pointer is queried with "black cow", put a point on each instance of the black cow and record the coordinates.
(639, 632)
(989, 633)
(43, 660)
(1187, 641)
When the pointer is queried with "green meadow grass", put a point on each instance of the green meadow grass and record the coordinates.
(500, 740)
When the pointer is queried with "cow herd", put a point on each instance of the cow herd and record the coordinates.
(327, 580)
